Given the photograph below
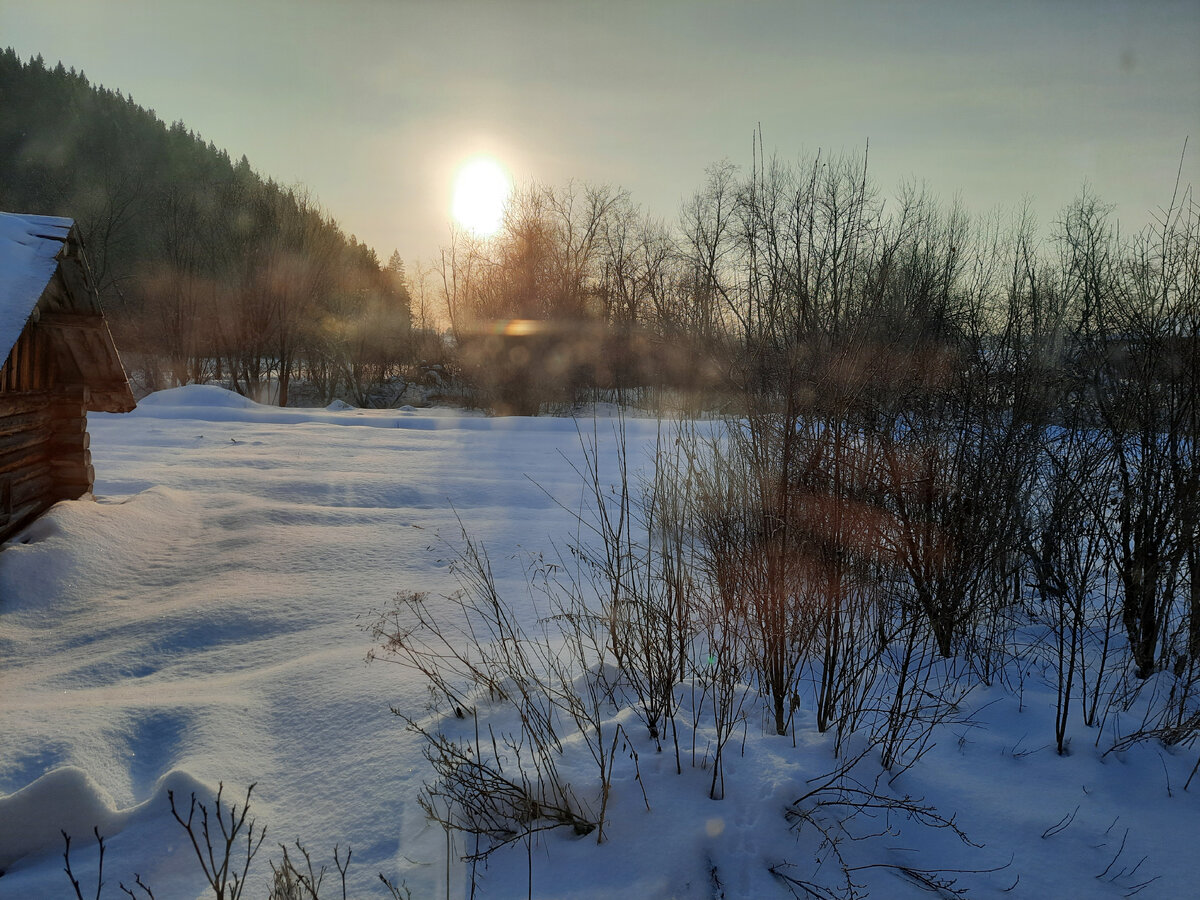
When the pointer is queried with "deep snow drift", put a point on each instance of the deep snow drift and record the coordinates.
(202, 622)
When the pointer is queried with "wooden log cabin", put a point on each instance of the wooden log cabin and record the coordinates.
(59, 363)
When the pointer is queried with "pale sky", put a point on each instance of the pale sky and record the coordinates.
(372, 104)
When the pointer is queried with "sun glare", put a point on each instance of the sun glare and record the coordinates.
(481, 189)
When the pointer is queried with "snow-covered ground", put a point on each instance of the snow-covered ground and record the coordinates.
(203, 622)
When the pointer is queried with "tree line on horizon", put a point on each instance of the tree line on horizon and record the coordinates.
(207, 271)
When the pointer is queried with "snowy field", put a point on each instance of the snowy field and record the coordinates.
(203, 622)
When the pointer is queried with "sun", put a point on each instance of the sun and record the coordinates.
(481, 189)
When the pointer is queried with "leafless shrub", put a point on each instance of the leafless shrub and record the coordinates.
(918, 693)
(477, 652)
(296, 879)
(225, 864)
(639, 558)
(721, 687)
(138, 884)
(71, 875)
(843, 809)
(219, 856)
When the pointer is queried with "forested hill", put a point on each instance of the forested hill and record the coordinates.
(201, 262)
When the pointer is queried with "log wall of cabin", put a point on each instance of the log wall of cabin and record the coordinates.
(31, 366)
(44, 454)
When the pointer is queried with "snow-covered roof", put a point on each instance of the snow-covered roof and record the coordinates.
(29, 249)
